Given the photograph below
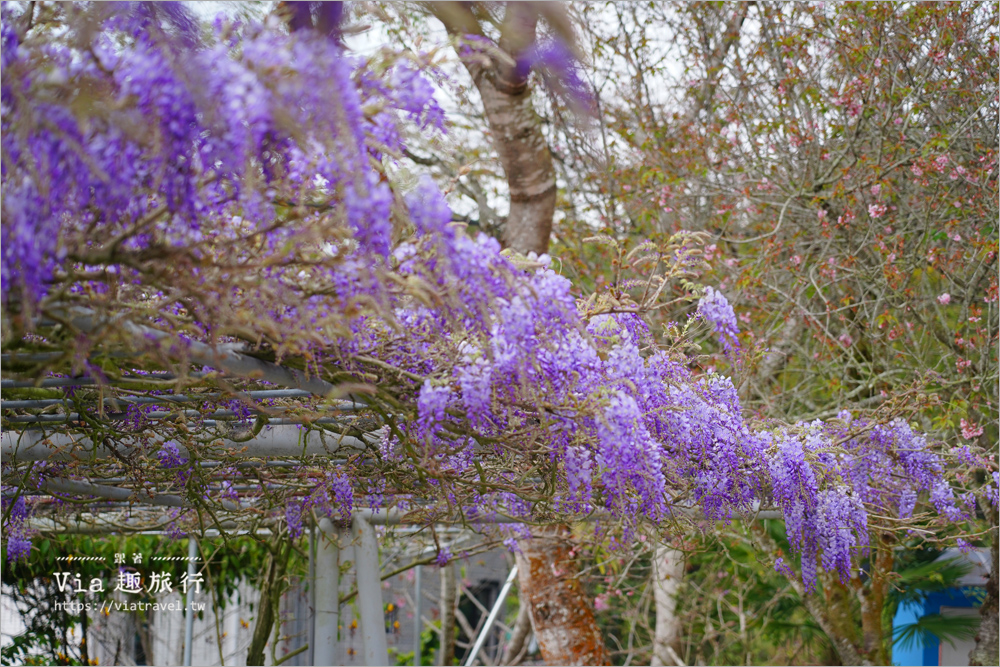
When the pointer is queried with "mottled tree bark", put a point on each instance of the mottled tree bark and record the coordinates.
(516, 128)
(527, 162)
(668, 571)
(872, 596)
(265, 615)
(559, 608)
(833, 615)
(987, 650)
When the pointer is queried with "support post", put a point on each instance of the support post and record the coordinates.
(327, 606)
(491, 619)
(189, 612)
(312, 595)
(418, 624)
(369, 593)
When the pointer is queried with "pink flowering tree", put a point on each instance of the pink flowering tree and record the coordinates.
(843, 159)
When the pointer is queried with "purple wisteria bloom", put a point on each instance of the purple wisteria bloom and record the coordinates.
(716, 310)
(170, 456)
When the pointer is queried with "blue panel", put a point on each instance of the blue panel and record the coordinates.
(908, 612)
(927, 650)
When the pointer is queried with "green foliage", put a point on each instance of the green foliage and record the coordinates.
(430, 642)
(51, 631)
(948, 629)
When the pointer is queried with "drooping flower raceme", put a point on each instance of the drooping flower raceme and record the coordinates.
(716, 310)
(16, 536)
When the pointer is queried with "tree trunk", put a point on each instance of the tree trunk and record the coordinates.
(265, 613)
(519, 637)
(270, 595)
(560, 611)
(832, 614)
(668, 569)
(84, 649)
(516, 128)
(987, 650)
(835, 621)
(524, 154)
(873, 603)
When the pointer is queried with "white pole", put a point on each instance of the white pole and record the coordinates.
(189, 619)
(485, 632)
(327, 614)
(311, 653)
(369, 593)
(418, 624)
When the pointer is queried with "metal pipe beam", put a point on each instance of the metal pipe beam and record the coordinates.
(312, 594)
(69, 382)
(212, 418)
(283, 441)
(69, 486)
(369, 516)
(221, 356)
(167, 398)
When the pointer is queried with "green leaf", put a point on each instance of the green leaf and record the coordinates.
(945, 628)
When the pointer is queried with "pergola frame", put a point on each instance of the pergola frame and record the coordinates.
(281, 440)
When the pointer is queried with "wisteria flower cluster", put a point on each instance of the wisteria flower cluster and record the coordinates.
(16, 532)
(717, 311)
(241, 194)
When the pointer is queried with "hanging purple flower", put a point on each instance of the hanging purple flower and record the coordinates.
(716, 310)
(560, 70)
(170, 456)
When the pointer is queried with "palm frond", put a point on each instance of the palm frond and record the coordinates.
(945, 628)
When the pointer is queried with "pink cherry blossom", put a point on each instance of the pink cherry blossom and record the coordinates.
(970, 431)
(876, 210)
(944, 299)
